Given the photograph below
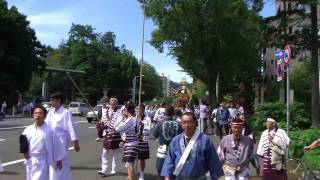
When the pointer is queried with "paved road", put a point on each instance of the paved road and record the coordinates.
(85, 163)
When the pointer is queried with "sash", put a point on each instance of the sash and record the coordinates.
(185, 154)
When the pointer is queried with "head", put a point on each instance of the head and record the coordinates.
(39, 114)
(188, 123)
(222, 105)
(113, 102)
(169, 111)
(271, 123)
(56, 99)
(140, 110)
(236, 127)
(178, 113)
(242, 118)
(129, 109)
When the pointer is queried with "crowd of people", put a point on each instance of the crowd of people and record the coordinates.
(185, 149)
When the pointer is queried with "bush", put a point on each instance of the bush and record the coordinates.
(302, 138)
(299, 116)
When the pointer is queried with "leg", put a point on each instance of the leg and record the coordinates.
(116, 159)
(105, 160)
(220, 130)
(142, 167)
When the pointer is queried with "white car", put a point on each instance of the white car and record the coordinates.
(46, 105)
(92, 116)
(78, 108)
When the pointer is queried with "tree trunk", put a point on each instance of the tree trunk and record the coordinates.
(315, 72)
(211, 85)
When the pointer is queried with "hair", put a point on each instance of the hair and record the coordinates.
(169, 111)
(57, 96)
(192, 115)
(130, 108)
(40, 107)
(236, 121)
(163, 104)
(178, 112)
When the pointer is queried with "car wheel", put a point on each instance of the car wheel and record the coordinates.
(89, 121)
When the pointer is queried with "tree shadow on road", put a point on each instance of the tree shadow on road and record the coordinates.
(9, 173)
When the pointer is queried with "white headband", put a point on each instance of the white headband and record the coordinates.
(271, 120)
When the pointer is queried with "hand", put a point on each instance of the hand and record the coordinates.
(59, 165)
(26, 155)
(121, 144)
(76, 146)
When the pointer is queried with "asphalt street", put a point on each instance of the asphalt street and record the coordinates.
(84, 164)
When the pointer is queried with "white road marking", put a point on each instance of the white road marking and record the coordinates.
(12, 162)
(22, 160)
(92, 127)
(80, 122)
(18, 127)
(2, 140)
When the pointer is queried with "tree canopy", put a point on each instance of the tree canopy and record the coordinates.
(20, 53)
(209, 37)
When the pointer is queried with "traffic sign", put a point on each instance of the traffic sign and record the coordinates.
(287, 55)
(279, 54)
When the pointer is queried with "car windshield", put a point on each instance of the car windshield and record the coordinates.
(73, 105)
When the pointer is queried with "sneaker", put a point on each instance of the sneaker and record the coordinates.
(112, 173)
(102, 173)
(97, 139)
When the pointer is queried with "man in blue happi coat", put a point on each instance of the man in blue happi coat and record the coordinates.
(191, 154)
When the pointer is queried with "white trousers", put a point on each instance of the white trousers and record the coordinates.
(37, 168)
(116, 154)
(65, 172)
(244, 175)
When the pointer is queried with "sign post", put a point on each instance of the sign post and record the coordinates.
(286, 58)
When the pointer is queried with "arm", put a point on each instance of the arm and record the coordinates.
(123, 126)
(72, 130)
(313, 145)
(213, 164)
(169, 163)
(156, 131)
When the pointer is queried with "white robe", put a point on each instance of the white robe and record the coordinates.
(65, 129)
(44, 151)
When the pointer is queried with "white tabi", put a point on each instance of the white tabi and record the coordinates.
(44, 151)
(65, 129)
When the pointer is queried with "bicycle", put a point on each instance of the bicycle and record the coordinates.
(297, 169)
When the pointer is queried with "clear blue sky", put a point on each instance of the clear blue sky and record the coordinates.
(52, 20)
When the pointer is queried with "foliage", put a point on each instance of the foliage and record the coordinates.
(299, 116)
(202, 36)
(301, 83)
(20, 53)
(300, 139)
(107, 66)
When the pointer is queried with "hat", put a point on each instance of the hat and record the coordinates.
(272, 119)
(236, 121)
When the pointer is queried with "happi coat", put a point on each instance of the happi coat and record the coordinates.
(202, 159)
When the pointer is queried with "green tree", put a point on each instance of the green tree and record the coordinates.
(208, 37)
(20, 53)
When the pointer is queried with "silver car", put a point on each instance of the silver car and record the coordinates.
(78, 108)
(92, 116)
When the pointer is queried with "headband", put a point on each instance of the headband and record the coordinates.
(271, 120)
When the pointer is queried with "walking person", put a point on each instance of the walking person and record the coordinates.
(202, 122)
(165, 132)
(191, 154)
(223, 116)
(42, 151)
(63, 125)
(143, 128)
(127, 126)
(109, 118)
(236, 151)
(272, 149)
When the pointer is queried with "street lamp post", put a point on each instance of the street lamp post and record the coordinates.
(134, 82)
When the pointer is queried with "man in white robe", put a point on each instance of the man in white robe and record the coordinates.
(44, 153)
(64, 127)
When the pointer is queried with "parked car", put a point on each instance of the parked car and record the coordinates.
(46, 105)
(91, 116)
(78, 108)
